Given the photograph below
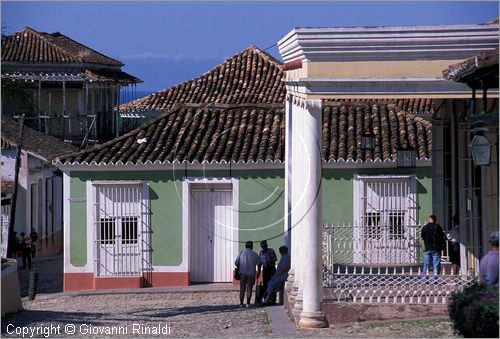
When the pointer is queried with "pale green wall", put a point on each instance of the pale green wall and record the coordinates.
(78, 231)
(338, 191)
(261, 205)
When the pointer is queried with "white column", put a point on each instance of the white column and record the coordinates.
(307, 180)
(295, 118)
(288, 169)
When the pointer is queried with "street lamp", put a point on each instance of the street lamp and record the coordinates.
(406, 158)
(480, 147)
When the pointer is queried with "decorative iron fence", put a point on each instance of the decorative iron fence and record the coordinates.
(377, 244)
(382, 264)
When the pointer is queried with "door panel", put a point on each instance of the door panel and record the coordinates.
(211, 235)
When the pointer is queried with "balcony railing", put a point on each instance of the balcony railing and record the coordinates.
(88, 129)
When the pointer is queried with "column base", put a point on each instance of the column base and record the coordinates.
(312, 320)
(297, 306)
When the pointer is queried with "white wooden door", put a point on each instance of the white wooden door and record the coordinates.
(211, 243)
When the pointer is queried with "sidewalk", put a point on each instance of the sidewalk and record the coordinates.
(50, 275)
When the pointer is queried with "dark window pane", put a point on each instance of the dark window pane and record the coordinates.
(396, 220)
(129, 230)
(107, 235)
(372, 225)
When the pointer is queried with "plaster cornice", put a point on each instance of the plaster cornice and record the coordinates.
(377, 86)
(388, 43)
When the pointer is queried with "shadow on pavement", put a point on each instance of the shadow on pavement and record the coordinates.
(50, 275)
(211, 309)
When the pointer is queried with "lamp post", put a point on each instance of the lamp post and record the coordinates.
(480, 147)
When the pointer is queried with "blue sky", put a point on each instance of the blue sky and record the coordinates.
(165, 43)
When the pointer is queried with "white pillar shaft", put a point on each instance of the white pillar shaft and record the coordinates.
(297, 190)
(288, 163)
(308, 183)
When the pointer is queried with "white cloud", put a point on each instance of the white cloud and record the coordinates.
(174, 57)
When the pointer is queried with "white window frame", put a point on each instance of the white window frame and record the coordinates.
(359, 199)
(144, 241)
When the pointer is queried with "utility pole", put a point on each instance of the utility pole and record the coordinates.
(19, 140)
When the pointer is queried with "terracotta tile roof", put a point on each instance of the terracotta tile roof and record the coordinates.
(465, 70)
(31, 46)
(43, 145)
(111, 75)
(250, 76)
(392, 127)
(255, 133)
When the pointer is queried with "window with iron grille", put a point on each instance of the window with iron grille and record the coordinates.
(385, 218)
(121, 225)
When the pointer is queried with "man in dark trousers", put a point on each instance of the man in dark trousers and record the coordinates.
(434, 242)
(26, 250)
(268, 259)
(249, 267)
(34, 239)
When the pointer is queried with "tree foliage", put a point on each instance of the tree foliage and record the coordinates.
(474, 311)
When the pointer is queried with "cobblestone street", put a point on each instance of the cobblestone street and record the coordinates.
(194, 311)
(190, 314)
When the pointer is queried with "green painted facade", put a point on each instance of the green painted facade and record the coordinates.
(338, 191)
(261, 205)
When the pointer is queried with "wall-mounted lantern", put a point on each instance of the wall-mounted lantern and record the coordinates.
(406, 158)
(367, 141)
(480, 147)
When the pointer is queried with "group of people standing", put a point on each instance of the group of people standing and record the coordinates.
(250, 265)
(25, 247)
(435, 241)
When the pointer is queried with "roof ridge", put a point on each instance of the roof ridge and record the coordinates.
(44, 38)
(90, 48)
(265, 55)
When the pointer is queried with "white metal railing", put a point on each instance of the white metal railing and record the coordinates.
(382, 264)
(377, 244)
(391, 285)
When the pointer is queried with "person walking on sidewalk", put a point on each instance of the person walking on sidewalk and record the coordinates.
(26, 250)
(249, 267)
(34, 239)
(434, 242)
(268, 259)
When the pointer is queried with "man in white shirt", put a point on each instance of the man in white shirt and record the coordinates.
(249, 267)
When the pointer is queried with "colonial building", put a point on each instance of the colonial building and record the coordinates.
(39, 202)
(72, 90)
(469, 185)
(363, 63)
(173, 201)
